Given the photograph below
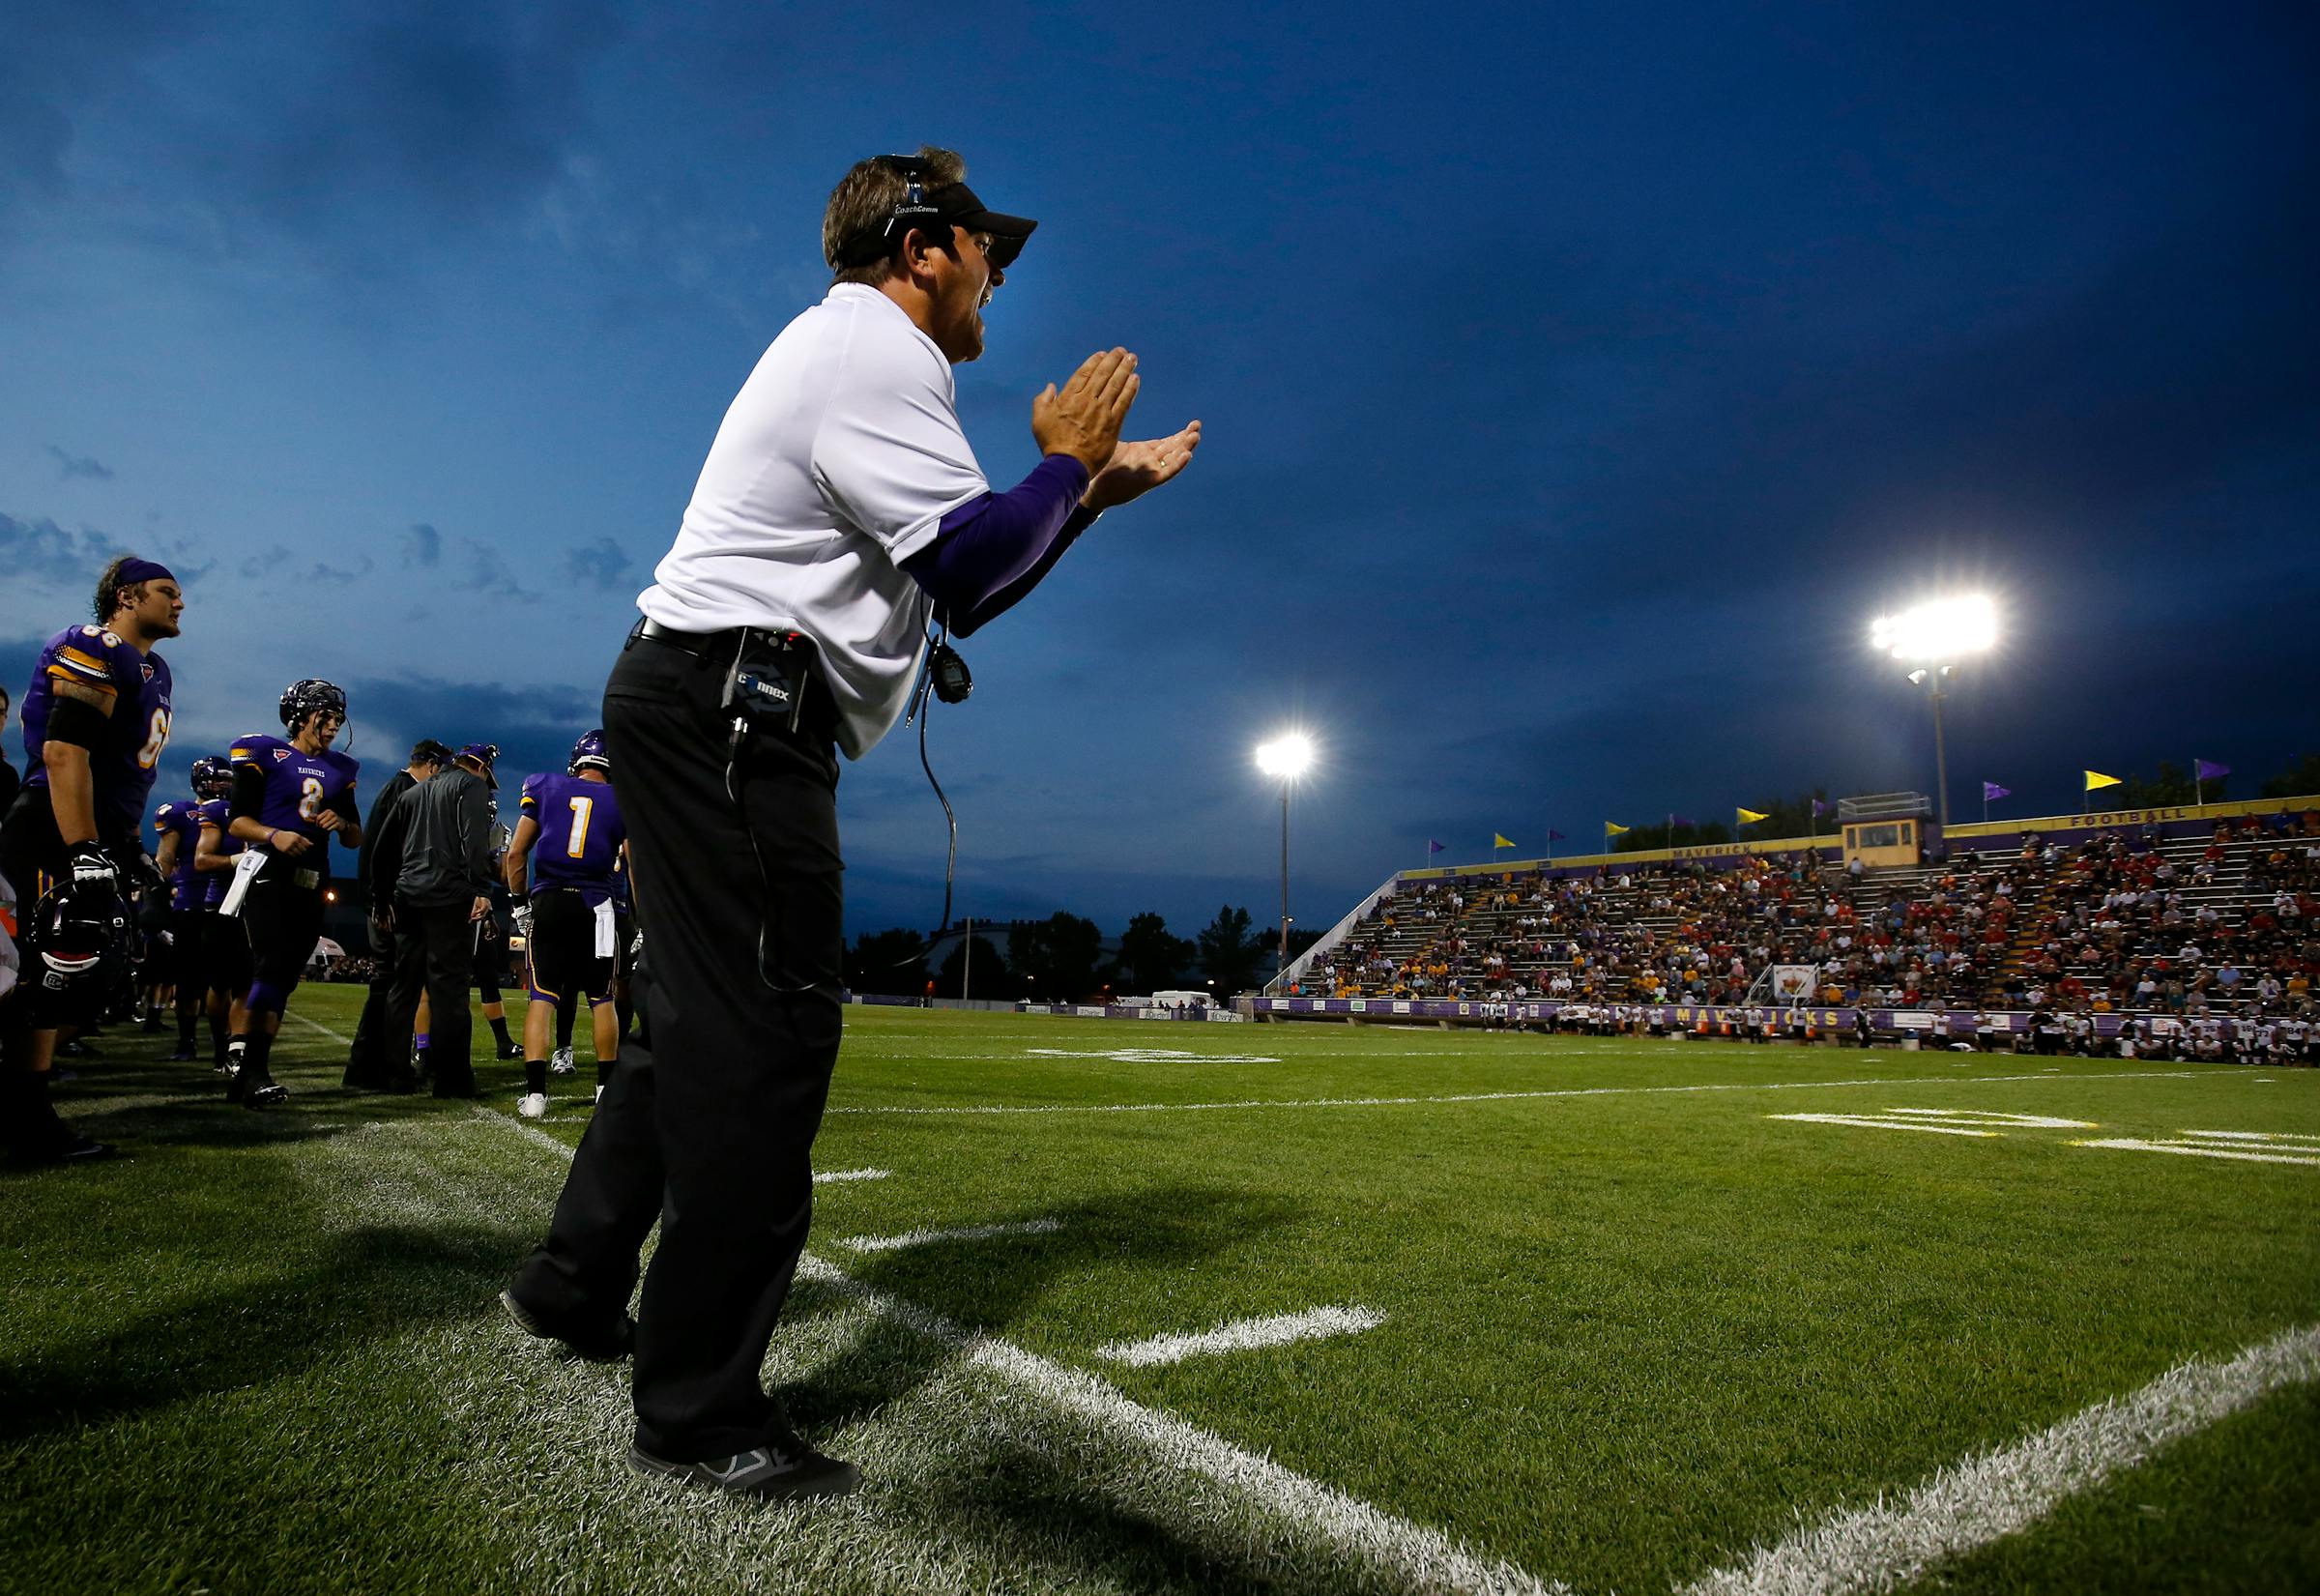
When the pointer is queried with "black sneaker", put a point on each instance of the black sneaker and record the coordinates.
(598, 1341)
(56, 1143)
(783, 1469)
(255, 1088)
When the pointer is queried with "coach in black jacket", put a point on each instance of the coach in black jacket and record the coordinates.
(437, 852)
(368, 1068)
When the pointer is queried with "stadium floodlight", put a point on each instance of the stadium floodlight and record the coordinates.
(1933, 636)
(1285, 758)
(1940, 631)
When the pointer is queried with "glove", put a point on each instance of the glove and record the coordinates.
(94, 877)
(523, 921)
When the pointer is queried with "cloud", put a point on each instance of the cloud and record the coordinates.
(534, 726)
(458, 111)
(279, 565)
(69, 56)
(70, 465)
(602, 564)
(423, 544)
(482, 569)
(43, 551)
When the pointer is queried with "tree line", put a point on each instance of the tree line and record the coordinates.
(1063, 958)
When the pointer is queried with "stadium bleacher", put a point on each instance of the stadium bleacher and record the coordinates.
(2188, 913)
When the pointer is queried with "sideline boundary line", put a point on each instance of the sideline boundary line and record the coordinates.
(1497, 1097)
(1994, 1494)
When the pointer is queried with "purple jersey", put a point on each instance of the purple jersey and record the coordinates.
(181, 819)
(298, 787)
(580, 834)
(136, 687)
(217, 813)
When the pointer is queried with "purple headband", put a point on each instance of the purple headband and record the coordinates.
(134, 571)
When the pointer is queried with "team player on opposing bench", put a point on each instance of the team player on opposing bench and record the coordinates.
(571, 837)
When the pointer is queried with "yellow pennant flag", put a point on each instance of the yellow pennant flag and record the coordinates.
(2096, 779)
(1750, 815)
(1612, 829)
(1498, 841)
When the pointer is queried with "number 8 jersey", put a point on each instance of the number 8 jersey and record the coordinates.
(297, 787)
(580, 834)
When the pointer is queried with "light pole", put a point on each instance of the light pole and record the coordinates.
(1287, 757)
(1934, 637)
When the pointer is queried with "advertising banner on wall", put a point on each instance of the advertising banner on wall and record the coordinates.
(1795, 983)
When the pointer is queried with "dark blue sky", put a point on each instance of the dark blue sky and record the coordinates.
(1578, 381)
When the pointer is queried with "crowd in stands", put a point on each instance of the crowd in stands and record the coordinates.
(2121, 921)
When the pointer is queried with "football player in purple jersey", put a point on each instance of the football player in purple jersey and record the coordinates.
(178, 824)
(225, 948)
(571, 837)
(95, 720)
(291, 796)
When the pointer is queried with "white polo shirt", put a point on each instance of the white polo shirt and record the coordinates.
(836, 462)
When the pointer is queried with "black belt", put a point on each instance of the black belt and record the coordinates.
(801, 657)
(720, 645)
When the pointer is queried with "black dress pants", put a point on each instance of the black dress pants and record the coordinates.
(367, 1062)
(434, 946)
(737, 877)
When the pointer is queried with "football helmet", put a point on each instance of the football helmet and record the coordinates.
(301, 699)
(213, 777)
(590, 753)
(72, 929)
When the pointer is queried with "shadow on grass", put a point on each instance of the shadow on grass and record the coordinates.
(1032, 1504)
(142, 1102)
(364, 1285)
(984, 1287)
(1049, 1506)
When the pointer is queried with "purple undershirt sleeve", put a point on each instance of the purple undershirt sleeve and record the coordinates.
(993, 549)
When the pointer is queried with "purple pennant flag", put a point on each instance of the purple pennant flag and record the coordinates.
(2207, 769)
(1679, 820)
(1556, 836)
(1991, 791)
(1432, 848)
(1819, 808)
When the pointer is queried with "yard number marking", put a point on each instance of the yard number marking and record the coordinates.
(1942, 1122)
(2246, 1147)
(1239, 1335)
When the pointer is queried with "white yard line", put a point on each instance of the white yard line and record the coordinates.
(1887, 1080)
(830, 1176)
(2189, 1150)
(962, 1233)
(1241, 1335)
(1871, 1122)
(317, 1024)
(2274, 1138)
(1429, 1559)
(1976, 1501)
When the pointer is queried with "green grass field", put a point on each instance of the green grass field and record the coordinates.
(1637, 1333)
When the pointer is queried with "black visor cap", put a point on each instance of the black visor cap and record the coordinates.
(956, 205)
(1009, 234)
